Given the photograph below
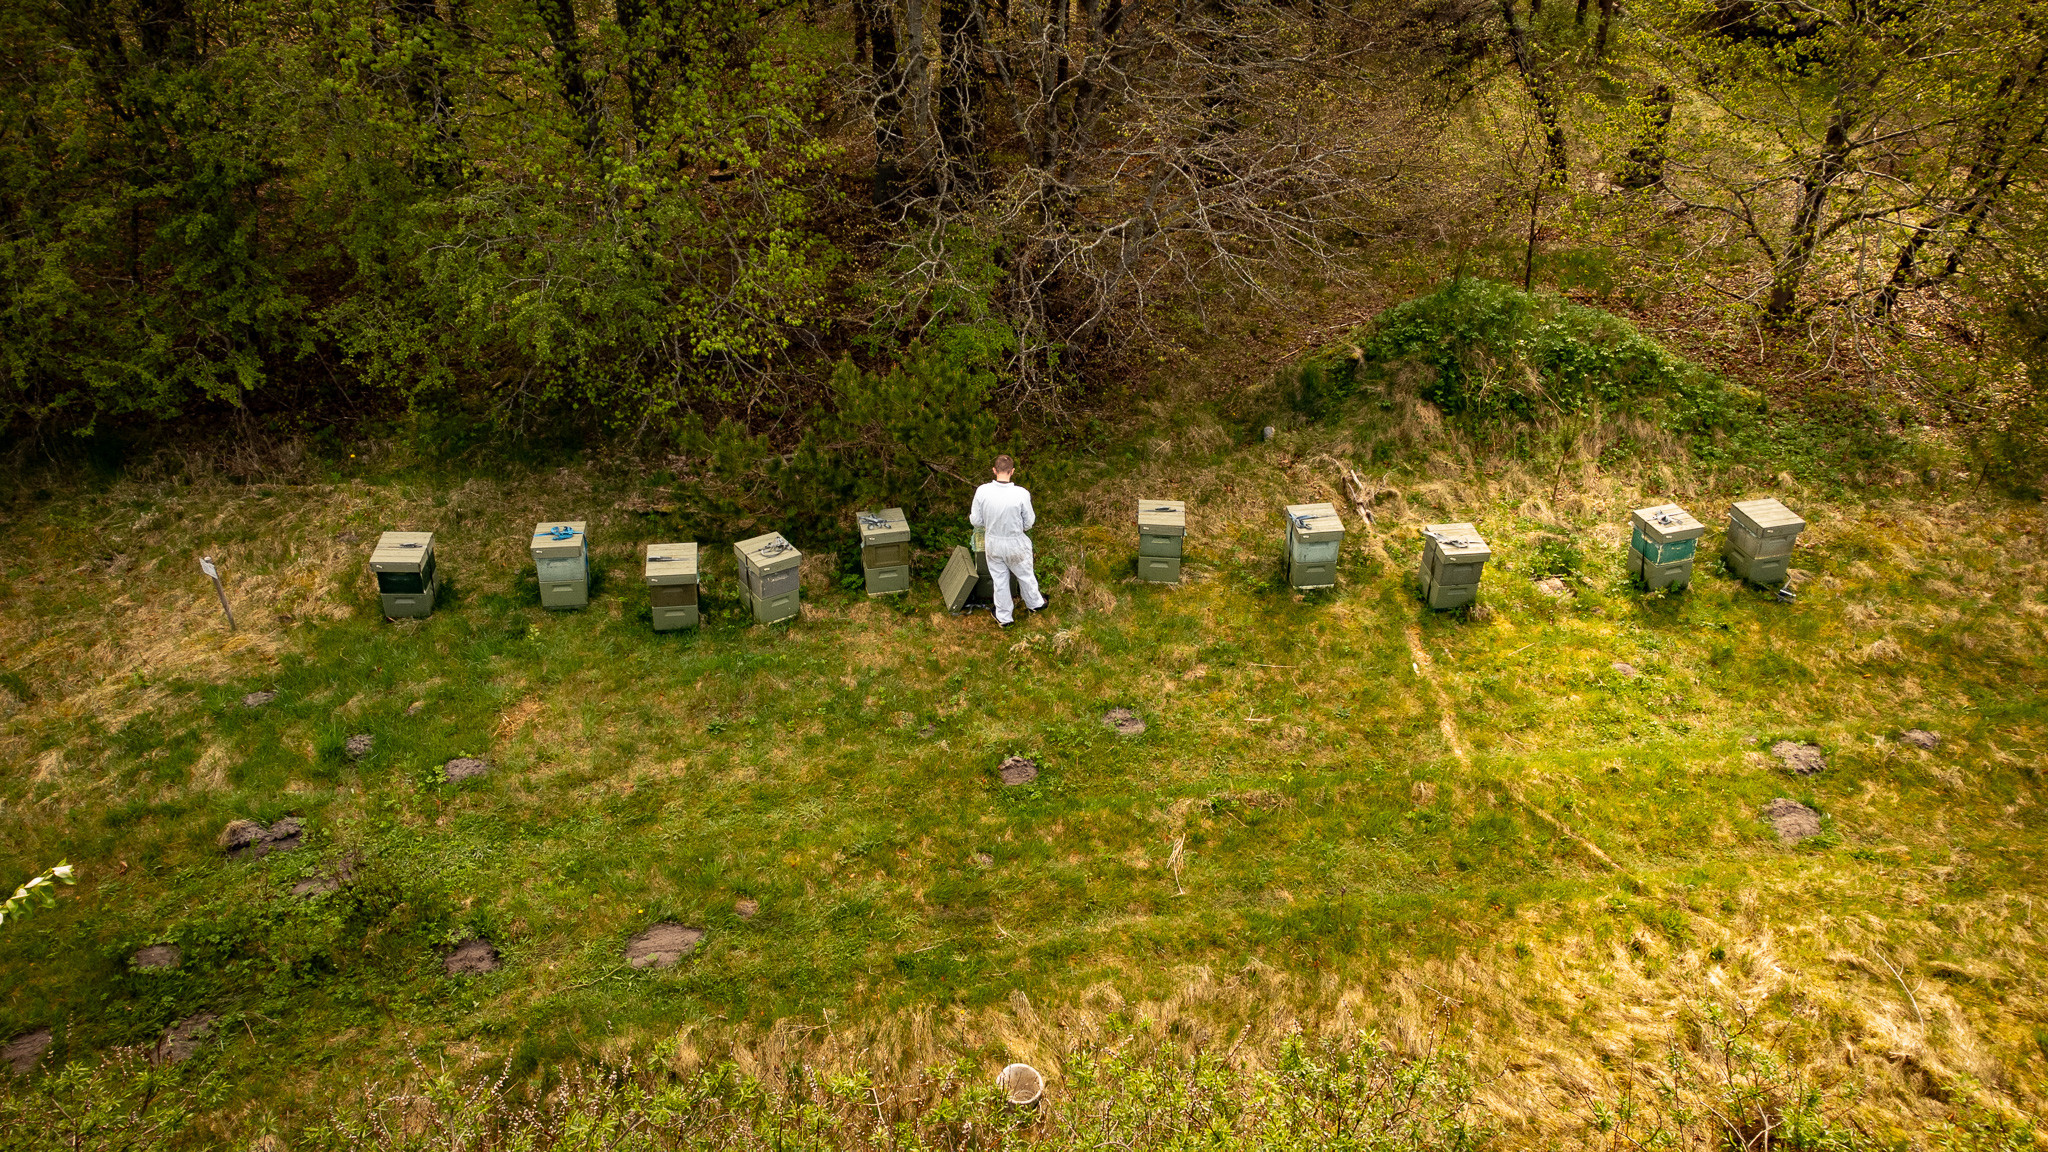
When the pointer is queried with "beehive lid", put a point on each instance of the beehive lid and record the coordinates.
(956, 583)
(1458, 543)
(1163, 517)
(1667, 524)
(768, 553)
(557, 539)
(1313, 523)
(672, 563)
(1767, 518)
(889, 526)
(401, 551)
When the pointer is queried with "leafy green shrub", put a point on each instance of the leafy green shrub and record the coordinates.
(1493, 352)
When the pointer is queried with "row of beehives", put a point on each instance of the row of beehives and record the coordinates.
(1662, 546)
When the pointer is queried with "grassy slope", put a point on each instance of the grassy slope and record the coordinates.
(1346, 812)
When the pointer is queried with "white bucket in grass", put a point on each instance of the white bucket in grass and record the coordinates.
(1021, 1083)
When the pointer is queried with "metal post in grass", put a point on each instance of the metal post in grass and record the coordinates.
(212, 573)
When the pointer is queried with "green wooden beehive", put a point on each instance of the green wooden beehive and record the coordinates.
(1662, 542)
(561, 560)
(984, 583)
(770, 566)
(1454, 560)
(1162, 529)
(671, 575)
(403, 563)
(885, 550)
(956, 583)
(1758, 545)
(1315, 534)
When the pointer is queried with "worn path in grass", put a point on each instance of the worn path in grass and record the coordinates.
(1343, 811)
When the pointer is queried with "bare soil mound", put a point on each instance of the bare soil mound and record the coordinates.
(253, 838)
(464, 767)
(1791, 820)
(1800, 759)
(473, 957)
(1017, 770)
(22, 1052)
(359, 745)
(747, 907)
(157, 956)
(258, 699)
(1920, 738)
(1125, 721)
(662, 945)
(182, 1039)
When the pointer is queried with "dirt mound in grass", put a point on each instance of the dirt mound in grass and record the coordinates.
(22, 1052)
(182, 1039)
(1791, 820)
(258, 699)
(1017, 770)
(1920, 738)
(1799, 759)
(464, 767)
(1125, 721)
(157, 956)
(747, 907)
(253, 838)
(473, 957)
(662, 945)
(359, 745)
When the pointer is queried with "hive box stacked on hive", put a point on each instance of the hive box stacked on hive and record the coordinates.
(672, 585)
(1760, 538)
(1162, 527)
(985, 584)
(770, 568)
(1454, 557)
(885, 550)
(1314, 535)
(1661, 546)
(404, 564)
(561, 557)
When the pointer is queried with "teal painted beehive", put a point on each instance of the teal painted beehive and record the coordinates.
(885, 550)
(1663, 540)
(403, 563)
(1162, 529)
(1759, 542)
(1454, 560)
(671, 575)
(561, 559)
(1315, 536)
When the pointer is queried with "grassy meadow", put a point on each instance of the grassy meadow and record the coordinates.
(1530, 833)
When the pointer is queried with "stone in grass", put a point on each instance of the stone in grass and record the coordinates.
(258, 699)
(1125, 721)
(473, 957)
(157, 956)
(747, 907)
(1626, 669)
(22, 1052)
(1791, 820)
(1017, 770)
(1552, 586)
(662, 945)
(359, 745)
(1799, 759)
(321, 883)
(181, 1040)
(252, 838)
(464, 767)
(1920, 738)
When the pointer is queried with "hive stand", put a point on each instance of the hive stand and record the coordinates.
(671, 574)
(561, 558)
(1759, 543)
(1454, 559)
(1162, 529)
(1315, 534)
(1661, 546)
(884, 550)
(406, 580)
(770, 569)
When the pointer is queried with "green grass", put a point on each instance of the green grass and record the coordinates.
(1570, 856)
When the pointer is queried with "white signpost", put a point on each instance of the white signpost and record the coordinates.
(212, 573)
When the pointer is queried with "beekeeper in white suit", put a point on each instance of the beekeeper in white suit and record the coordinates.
(1002, 511)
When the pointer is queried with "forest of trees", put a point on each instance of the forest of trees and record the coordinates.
(627, 214)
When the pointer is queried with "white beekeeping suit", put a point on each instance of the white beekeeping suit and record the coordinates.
(1002, 510)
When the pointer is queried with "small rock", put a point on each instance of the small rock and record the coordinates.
(473, 957)
(359, 745)
(1125, 721)
(1626, 669)
(1267, 433)
(182, 1039)
(1920, 738)
(464, 767)
(1552, 586)
(1018, 770)
(1791, 820)
(747, 907)
(662, 945)
(258, 699)
(22, 1052)
(413, 709)
(157, 956)
(1799, 759)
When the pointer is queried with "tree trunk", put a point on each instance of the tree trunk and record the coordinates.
(962, 30)
(1607, 8)
(1644, 163)
(558, 17)
(1813, 200)
(888, 73)
(1537, 79)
